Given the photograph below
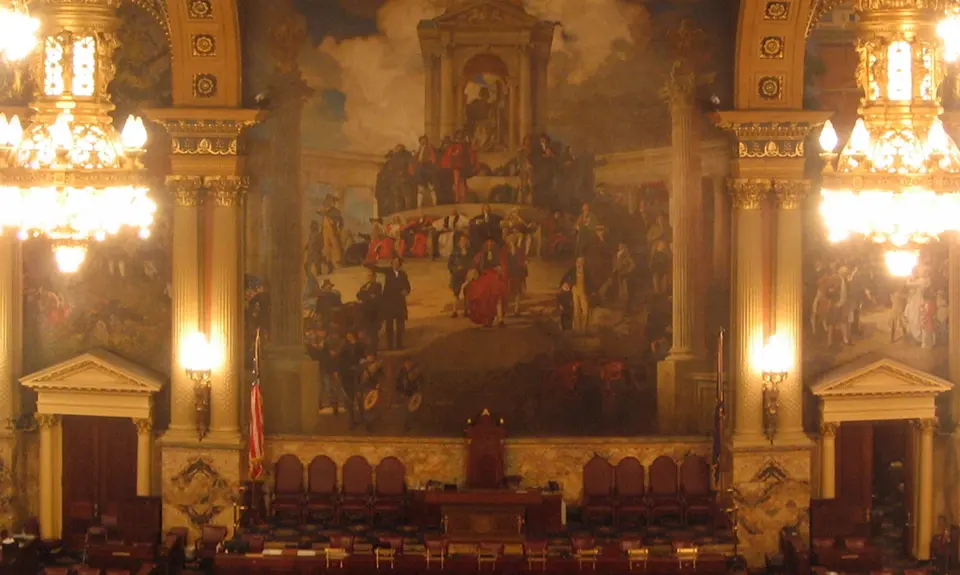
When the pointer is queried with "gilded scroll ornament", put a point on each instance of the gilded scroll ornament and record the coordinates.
(226, 191)
(829, 429)
(748, 193)
(144, 426)
(47, 420)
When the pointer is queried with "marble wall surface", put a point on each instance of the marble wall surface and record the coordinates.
(771, 490)
(536, 460)
(199, 486)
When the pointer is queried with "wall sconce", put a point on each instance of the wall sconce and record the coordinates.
(775, 365)
(197, 359)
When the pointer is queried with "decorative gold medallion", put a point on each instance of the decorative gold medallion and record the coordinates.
(199, 9)
(204, 45)
(771, 48)
(204, 85)
(776, 10)
(770, 87)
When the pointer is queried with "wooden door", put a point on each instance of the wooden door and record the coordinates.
(99, 470)
(855, 464)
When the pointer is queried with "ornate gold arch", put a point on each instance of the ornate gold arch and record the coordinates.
(204, 50)
(771, 40)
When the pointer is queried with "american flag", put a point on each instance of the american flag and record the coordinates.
(256, 416)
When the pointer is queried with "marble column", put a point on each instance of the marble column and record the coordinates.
(953, 352)
(185, 301)
(514, 113)
(746, 322)
(49, 425)
(144, 456)
(11, 301)
(721, 231)
(788, 296)
(828, 460)
(226, 320)
(526, 93)
(925, 511)
(447, 110)
(686, 209)
(431, 129)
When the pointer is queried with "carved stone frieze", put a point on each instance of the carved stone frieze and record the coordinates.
(481, 15)
(789, 194)
(748, 193)
(770, 139)
(186, 190)
(196, 137)
(226, 191)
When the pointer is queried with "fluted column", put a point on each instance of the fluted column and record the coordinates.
(226, 325)
(526, 93)
(11, 301)
(447, 119)
(48, 522)
(185, 300)
(721, 231)
(144, 456)
(925, 509)
(788, 295)
(685, 212)
(746, 331)
(431, 91)
(828, 460)
(953, 323)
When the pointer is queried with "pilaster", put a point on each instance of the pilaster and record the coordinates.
(771, 481)
(198, 479)
(526, 93)
(144, 457)
(11, 305)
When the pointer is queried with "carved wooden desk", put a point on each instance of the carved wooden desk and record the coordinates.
(484, 515)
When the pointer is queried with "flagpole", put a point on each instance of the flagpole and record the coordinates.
(721, 407)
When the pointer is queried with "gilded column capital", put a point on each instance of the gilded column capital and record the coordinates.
(144, 426)
(226, 191)
(748, 193)
(789, 194)
(828, 429)
(186, 190)
(927, 425)
(47, 420)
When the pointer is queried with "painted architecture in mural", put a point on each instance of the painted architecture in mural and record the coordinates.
(459, 242)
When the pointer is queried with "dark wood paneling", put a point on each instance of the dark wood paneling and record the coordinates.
(855, 463)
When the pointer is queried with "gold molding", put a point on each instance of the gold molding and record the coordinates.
(829, 429)
(790, 194)
(748, 193)
(773, 134)
(144, 426)
(930, 425)
(187, 190)
(47, 420)
(205, 131)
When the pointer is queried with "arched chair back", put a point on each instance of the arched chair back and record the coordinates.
(664, 476)
(695, 475)
(357, 476)
(630, 479)
(322, 476)
(391, 477)
(597, 477)
(288, 475)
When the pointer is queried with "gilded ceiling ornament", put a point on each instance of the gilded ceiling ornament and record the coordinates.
(204, 85)
(771, 48)
(770, 87)
(204, 45)
(199, 9)
(776, 10)
(748, 193)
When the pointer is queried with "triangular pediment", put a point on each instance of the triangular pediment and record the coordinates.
(487, 13)
(97, 371)
(879, 378)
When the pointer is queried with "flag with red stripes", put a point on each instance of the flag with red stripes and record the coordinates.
(256, 417)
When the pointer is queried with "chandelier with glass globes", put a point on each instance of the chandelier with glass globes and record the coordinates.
(897, 179)
(69, 175)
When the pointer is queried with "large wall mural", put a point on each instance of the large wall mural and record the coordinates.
(119, 300)
(425, 234)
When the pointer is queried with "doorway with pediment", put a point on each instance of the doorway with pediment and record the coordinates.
(94, 414)
(872, 402)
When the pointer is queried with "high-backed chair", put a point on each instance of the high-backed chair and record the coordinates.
(321, 500)
(357, 489)
(598, 501)
(698, 501)
(211, 536)
(288, 488)
(390, 492)
(631, 491)
(664, 492)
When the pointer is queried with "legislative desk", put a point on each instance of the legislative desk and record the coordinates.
(289, 563)
(490, 515)
(115, 555)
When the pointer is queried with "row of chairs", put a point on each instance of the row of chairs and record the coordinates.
(145, 569)
(364, 492)
(623, 494)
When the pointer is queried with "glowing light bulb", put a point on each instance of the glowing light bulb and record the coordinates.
(949, 31)
(197, 354)
(144, 233)
(776, 356)
(901, 263)
(859, 139)
(14, 132)
(937, 140)
(828, 137)
(133, 136)
(70, 257)
(60, 131)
